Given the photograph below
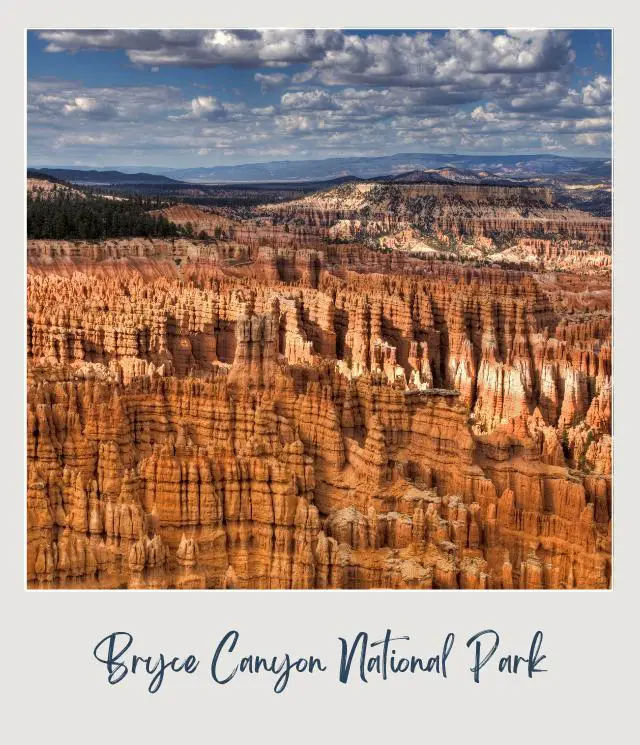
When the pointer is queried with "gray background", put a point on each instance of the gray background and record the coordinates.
(55, 691)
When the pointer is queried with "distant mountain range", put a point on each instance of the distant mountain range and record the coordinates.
(451, 175)
(518, 166)
(495, 166)
(97, 178)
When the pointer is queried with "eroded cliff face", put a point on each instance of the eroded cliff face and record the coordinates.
(218, 415)
(463, 211)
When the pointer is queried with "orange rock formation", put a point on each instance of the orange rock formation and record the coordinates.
(225, 414)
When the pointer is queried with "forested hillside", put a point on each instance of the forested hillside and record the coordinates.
(65, 215)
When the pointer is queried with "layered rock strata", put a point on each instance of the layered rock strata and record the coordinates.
(360, 209)
(220, 415)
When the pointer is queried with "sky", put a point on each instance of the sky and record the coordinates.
(198, 98)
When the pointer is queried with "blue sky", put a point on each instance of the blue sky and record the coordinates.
(199, 98)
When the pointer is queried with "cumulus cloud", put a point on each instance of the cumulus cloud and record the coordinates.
(597, 93)
(298, 124)
(314, 100)
(91, 108)
(316, 120)
(425, 59)
(591, 139)
(338, 57)
(374, 93)
(246, 48)
(47, 100)
(210, 108)
(205, 107)
(270, 80)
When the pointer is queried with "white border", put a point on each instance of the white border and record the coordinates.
(60, 692)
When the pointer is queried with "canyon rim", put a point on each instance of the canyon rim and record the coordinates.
(319, 310)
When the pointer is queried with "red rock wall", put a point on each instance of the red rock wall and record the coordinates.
(291, 421)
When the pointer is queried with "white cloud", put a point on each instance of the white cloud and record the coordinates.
(463, 90)
(313, 100)
(207, 107)
(93, 140)
(270, 80)
(592, 139)
(598, 92)
(90, 107)
(247, 48)
(49, 99)
(457, 58)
